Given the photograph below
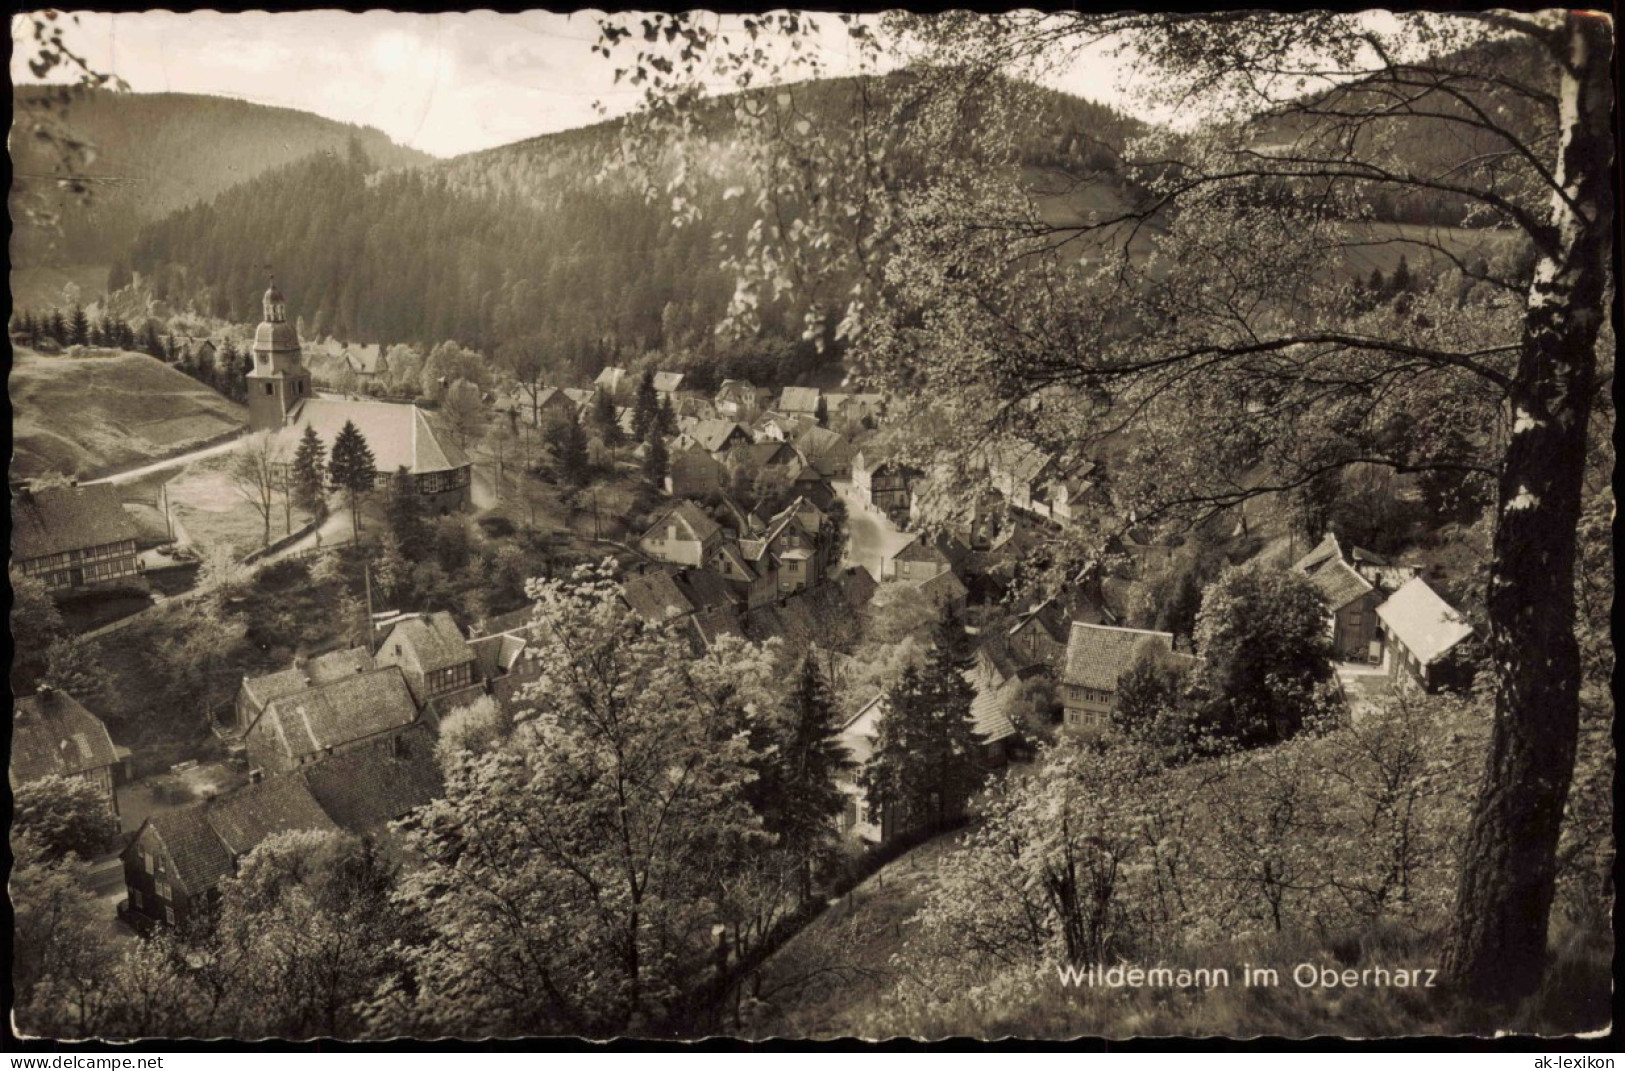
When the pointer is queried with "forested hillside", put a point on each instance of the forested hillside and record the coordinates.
(529, 240)
(157, 152)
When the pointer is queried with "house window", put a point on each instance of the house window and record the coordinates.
(268, 388)
(147, 858)
(169, 914)
(1356, 619)
(299, 386)
(135, 899)
(164, 891)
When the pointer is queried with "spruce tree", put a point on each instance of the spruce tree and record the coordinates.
(151, 344)
(405, 517)
(607, 418)
(646, 407)
(352, 470)
(309, 471)
(56, 328)
(801, 798)
(78, 327)
(571, 463)
(657, 461)
(925, 766)
(666, 417)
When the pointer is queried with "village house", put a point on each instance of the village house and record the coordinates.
(853, 412)
(1096, 657)
(828, 453)
(365, 789)
(547, 405)
(717, 437)
(799, 401)
(73, 537)
(990, 712)
(1424, 637)
(859, 737)
(365, 361)
(176, 860)
(326, 719)
(738, 400)
(614, 381)
(255, 692)
(1351, 602)
(1068, 494)
(667, 384)
(53, 735)
(682, 535)
(774, 426)
(882, 484)
(914, 562)
(1019, 471)
(431, 653)
(766, 460)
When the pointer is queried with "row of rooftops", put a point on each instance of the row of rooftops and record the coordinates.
(358, 791)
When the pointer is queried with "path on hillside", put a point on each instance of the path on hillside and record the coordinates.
(168, 463)
(873, 537)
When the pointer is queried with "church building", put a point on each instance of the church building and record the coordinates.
(406, 447)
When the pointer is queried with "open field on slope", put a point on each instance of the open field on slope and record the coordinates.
(88, 416)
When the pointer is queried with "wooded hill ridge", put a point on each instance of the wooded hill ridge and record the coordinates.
(159, 152)
(526, 240)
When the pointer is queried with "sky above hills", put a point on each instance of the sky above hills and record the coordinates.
(444, 83)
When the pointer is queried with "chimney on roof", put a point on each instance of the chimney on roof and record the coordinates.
(45, 692)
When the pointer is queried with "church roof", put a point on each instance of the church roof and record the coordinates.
(398, 435)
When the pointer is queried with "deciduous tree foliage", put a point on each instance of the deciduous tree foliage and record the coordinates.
(1210, 317)
(64, 815)
(569, 873)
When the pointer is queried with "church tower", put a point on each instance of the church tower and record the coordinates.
(279, 381)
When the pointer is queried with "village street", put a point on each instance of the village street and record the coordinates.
(872, 536)
(176, 462)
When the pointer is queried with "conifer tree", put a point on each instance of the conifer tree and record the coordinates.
(571, 463)
(353, 470)
(56, 328)
(406, 523)
(925, 766)
(151, 344)
(657, 461)
(666, 417)
(798, 795)
(607, 419)
(309, 470)
(646, 407)
(78, 327)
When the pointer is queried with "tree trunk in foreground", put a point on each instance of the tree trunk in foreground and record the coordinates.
(1498, 947)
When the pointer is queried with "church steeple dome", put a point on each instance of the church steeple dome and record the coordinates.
(276, 309)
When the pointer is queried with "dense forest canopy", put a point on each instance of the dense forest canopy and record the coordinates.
(546, 238)
(153, 153)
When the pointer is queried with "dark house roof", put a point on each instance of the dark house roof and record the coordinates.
(1097, 655)
(256, 812)
(756, 456)
(205, 840)
(336, 713)
(54, 520)
(364, 789)
(199, 857)
(1338, 583)
(655, 596)
(435, 639)
(53, 735)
